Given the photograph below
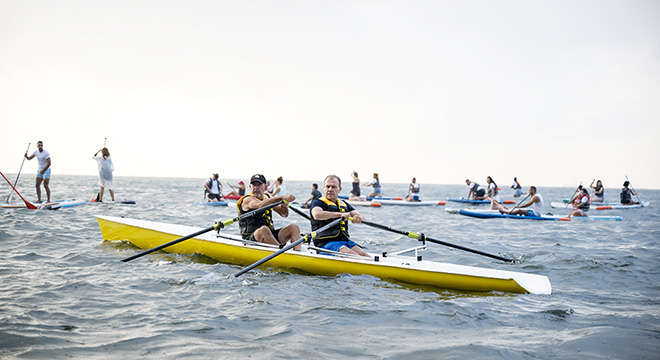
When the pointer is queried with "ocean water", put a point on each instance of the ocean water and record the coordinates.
(65, 293)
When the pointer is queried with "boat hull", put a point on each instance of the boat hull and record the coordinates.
(146, 235)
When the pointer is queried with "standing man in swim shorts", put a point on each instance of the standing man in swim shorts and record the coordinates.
(43, 172)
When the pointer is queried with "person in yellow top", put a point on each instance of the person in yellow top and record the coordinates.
(261, 228)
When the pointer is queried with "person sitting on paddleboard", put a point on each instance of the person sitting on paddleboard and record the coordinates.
(599, 192)
(240, 188)
(536, 202)
(581, 203)
(328, 208)
(279, 189)
(578, 191)
(626, 194)
(413, 189)
(477, 191)
(213, 189)
(260, 227)
(314, 195)
(493, 193)
(516, 186)
(375, 182)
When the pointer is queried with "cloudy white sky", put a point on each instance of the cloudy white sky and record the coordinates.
(553, 92)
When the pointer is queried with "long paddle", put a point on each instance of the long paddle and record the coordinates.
(27, 203)
(309, 236)
(216, 226)
(422, 237)
(633, 189)
(19, 173)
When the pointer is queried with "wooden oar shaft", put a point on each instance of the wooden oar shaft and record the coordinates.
(309, 236)
(420, 237)
(218, 225)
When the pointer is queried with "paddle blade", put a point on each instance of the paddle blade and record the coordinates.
(564, 219)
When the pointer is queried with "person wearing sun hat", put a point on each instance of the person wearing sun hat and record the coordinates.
(261, 228)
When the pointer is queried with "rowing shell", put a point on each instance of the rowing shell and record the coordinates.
(410, 269)
(488, 214)
(561, 205)
(470, 201)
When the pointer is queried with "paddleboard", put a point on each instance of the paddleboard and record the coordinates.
(378, 199)
(485, 214)
(470, 201)
(215, 203)
(599, 206)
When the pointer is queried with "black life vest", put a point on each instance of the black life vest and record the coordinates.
(252, 223)
(339, 232)
(209, 183)
(626, 198)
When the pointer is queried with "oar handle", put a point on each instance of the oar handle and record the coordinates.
(309, 236)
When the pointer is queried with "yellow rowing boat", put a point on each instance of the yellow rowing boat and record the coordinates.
(233, 250)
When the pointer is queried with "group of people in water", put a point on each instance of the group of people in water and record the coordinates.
(581, 200)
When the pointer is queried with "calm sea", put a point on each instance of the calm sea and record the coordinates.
(65, 294)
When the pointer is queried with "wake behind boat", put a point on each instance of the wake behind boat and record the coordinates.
(410, 269)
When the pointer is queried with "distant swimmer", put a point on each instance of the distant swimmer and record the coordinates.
(536, 202)
(213, 189)
(106, 168)
(581, 203)
(627, 194)
(516, 187)
(493, 193)
(477, 191)
(43, 171)
(413, 191)
(598, 192)
(375, 182)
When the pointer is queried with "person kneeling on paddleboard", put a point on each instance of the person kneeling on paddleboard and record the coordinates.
(581, 203)
(477, 191)
(329, 208)
(626, 194)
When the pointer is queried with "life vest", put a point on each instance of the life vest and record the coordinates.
(517, 186)
(252, 223)
(336, 232)
(494, 187)
(209, 183)
(583, 205)
(626, 198)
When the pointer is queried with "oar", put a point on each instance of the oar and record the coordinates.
(633, 189)
(422, 237)
(29, 206)
(19, 172)
(216, 226)
(309, 236)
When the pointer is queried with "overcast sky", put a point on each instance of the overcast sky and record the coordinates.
(553, 92)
